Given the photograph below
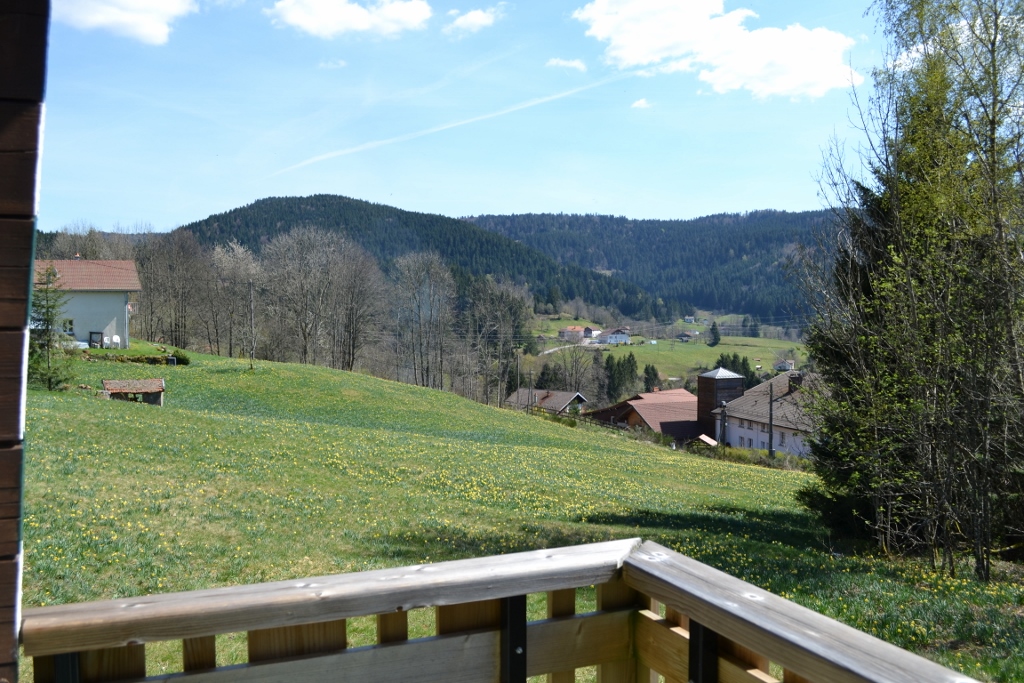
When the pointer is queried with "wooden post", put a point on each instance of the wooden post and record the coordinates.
(610, 596)
(513, 639)
(703, 654)
(23, 33)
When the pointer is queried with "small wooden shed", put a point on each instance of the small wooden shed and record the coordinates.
(149, 391)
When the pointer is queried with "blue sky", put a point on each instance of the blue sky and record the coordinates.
(166, 111)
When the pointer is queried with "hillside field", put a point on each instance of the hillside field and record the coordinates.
(289, 471)
(674, 358)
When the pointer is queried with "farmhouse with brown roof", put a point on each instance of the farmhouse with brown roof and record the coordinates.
(748, 422)
(552, 401)
(672, 412)
(97, 311)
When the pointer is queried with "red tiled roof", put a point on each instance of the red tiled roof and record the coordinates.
(133, 386)
(93, 276)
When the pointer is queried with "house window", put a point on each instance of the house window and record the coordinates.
(68, 325)
(764, 428)
(782, 438)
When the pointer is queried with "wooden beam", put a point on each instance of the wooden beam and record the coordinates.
(174, 616)
(461, 658)
(799, 639)
(23, 33)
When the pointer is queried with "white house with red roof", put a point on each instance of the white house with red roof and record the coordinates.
(97, 308)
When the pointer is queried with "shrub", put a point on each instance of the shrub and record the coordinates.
(181, 357)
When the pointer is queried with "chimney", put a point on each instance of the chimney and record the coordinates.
(796, 380)
(78, 257)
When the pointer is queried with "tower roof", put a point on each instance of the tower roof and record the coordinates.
(722, 373)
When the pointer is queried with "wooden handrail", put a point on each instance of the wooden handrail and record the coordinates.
(810, 644)
(715, 629)
(171, 616)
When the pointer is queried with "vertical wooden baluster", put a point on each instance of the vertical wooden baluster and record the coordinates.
(562, 603)
(293, 641)
(468, 616)
(392, 627)
(644, 673)
(679, 619)
(112, 664)
(198, 654)
(610, 596)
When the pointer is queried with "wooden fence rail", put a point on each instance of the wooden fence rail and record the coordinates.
(658, 614)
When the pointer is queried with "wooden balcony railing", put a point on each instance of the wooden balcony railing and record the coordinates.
(714, 627)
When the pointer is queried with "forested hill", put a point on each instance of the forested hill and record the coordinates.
(725, 262)
(387, 232)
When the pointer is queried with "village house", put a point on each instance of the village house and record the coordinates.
(573, 333)
(748, 422)
(558, 402)
(620, 335)
(97, 308)
(672, 412)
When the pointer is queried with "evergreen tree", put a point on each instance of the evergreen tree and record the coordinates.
(49, 360)
(716, 336)
(919, 333)
(651, 380)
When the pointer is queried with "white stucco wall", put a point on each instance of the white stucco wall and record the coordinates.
(104, 312)
(752, 430)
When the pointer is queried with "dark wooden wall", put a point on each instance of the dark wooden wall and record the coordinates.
(23, 32)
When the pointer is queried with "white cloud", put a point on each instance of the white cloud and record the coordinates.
(567, 63)
(329, 18)
(642, 103)
(333, 64)
(698, 35)
(474, 20)
(146, 20)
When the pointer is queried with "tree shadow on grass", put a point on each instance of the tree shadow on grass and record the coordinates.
(789, 528)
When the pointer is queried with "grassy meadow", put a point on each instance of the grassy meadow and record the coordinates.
(674, 358)
(287, 471)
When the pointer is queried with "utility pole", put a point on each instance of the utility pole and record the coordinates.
(771, 420)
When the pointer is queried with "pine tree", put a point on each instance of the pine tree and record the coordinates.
(49, 360)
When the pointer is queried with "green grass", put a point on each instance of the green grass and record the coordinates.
(678, 359)
(288, 471)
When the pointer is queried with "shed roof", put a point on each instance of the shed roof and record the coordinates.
(133, 386)
(75, 275)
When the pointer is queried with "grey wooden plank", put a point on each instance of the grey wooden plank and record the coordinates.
(173, 616)
(799, 639)
(572, 642)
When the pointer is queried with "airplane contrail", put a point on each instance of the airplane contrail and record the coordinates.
(447, 126)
